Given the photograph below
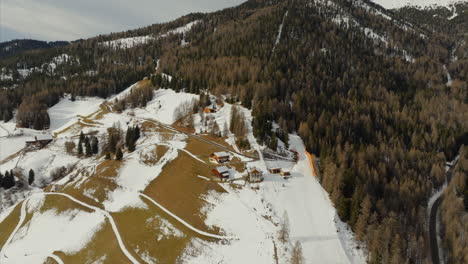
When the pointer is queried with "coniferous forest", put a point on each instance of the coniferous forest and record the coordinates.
(380, 112)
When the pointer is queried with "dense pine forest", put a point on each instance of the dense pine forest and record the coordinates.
(379, 96)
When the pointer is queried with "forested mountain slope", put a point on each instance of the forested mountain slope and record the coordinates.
(364, 87)
(17, 46)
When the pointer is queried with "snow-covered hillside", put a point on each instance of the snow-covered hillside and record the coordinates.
(390, 4)
(166, 190)
(126, 43)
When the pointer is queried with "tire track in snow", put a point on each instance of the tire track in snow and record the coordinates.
(193, 156)
(56, 258)
(180, 220)
(18, 226)
(96, 209)
(109, 217)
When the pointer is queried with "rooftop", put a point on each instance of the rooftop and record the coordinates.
(221, 154)
(40, 137)
(222, 169)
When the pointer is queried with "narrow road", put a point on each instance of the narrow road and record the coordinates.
(180, 220)
(433, 231)
(434, 244)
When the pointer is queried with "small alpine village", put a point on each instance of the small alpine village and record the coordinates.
(191, 161)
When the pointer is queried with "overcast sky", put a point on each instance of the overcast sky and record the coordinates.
(74, 19)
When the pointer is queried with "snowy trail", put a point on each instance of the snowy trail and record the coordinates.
(193, 156)
(180, 220)
(6, 130)
(106, 214)
(56, 258)
(20, 223)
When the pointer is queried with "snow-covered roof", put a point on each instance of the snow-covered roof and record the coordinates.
(222, 169)
(221, 154)
(255, 170)
(40, 137)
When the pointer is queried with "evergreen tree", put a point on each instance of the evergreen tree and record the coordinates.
(129, 136)
(118, 154)
(31, 176)
(95, 145)
(80, 149)
(1, 180)
(9, 180)
(108, 156)
(273, 142)
(131, 146)
(132, 135)
(82, 137)
(87, 144)
(137, 132)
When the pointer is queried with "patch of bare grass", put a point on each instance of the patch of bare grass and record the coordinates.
(9, 223)
(151, 233)
(180, 190)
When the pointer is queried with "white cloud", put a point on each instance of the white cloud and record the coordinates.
(70, 19)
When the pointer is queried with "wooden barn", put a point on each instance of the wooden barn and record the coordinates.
(219, 157)
(39, 141)
(255, 175)
(221, 172)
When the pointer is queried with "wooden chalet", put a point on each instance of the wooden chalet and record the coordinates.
(221, 172)
(285, 173)
(39, 141)
(255, 175)
(275, 170)
(219, 157)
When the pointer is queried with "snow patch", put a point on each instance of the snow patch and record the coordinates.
(126, 43)
(68, 232)
(390, 4)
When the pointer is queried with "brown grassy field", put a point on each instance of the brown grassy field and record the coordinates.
(145, 230)
(200, 148)
(61, 204)
(9, 223)
(219, 140)
(179, 189)
(102, 244)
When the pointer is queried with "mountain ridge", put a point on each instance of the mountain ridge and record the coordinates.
(379, 95)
